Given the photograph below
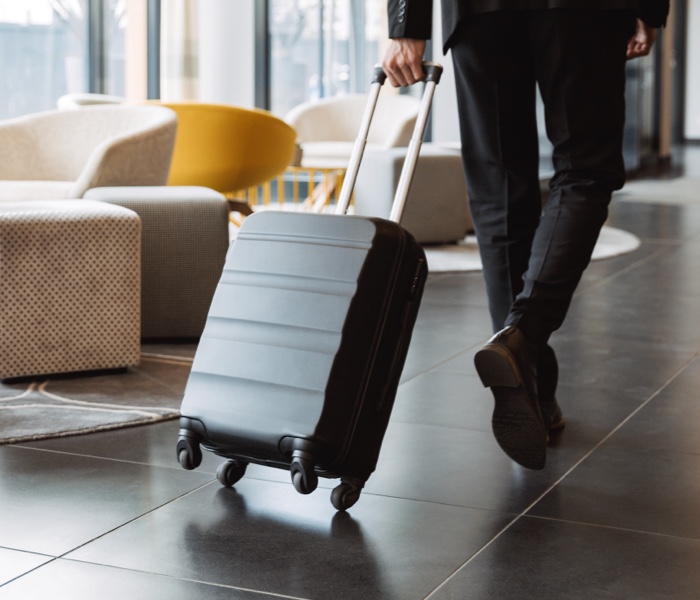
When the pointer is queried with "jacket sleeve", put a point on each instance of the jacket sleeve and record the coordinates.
(654, 12)
(410, 19)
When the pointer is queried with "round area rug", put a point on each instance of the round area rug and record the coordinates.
(464, 256)
(682, 191)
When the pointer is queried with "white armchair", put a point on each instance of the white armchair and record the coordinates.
(327, 128)
(80, 100)
(60, 154)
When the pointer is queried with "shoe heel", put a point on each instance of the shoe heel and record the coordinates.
(496, 367)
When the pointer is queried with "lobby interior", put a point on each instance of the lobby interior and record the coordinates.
(446, 515)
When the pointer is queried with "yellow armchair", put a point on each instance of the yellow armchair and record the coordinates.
(228, 148)
(219, 146)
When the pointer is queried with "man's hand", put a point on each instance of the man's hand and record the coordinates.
(403, 61)
(641, 42)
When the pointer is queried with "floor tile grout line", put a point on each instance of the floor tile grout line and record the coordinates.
(187, 579)
(12, 549)
(240, 589)
(450, 358)
(175, 467)
(473, 556)
(48, 562)
(567, 473)
(636, 265)
(54, 559)
(613, 528)
(133, 520)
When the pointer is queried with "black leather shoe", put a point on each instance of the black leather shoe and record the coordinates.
(506, 364)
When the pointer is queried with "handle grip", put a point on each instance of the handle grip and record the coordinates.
(432, 71)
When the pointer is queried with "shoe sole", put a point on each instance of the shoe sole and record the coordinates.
(517, 425)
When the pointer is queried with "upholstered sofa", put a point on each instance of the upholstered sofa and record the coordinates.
(60, 154)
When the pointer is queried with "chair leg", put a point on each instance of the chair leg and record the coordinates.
(240, 206)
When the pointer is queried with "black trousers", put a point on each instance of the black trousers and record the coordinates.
(533, 259)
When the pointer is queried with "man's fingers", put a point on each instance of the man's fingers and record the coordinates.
(637, 49)
(417, 71)
(641, 43)
(408, 75)
(395, 76)
(399, 73)
(403, 61)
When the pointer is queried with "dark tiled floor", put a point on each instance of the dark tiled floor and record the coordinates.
(446, 516)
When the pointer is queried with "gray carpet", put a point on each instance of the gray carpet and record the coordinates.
(76, 404)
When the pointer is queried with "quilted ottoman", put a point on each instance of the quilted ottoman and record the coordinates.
(69, 287)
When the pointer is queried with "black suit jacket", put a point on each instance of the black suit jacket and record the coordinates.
(414, 18)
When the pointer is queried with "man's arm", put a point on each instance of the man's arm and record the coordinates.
(410, 18)
(652, 15)
(410, 25)
(654, 12)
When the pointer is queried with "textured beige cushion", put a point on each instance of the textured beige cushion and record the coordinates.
(184, 241)
(61, 154)
(69, 287)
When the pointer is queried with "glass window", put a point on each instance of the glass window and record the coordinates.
(42, 48)
(322, 48)
(115, 24)
(44, 51)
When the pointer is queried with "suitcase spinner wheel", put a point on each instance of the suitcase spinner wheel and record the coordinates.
(346, 494)
(303, 473)
(189, 453)
(231, 472)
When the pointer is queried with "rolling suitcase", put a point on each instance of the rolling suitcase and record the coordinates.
(306, 337)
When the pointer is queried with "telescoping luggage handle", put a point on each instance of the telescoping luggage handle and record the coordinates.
(433, 71)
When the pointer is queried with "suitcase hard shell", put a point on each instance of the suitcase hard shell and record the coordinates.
(303, 348)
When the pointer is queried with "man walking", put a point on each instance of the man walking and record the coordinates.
(503, 50)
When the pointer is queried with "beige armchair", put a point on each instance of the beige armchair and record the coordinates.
(61, 154)
(80, 100)
(327, 128)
